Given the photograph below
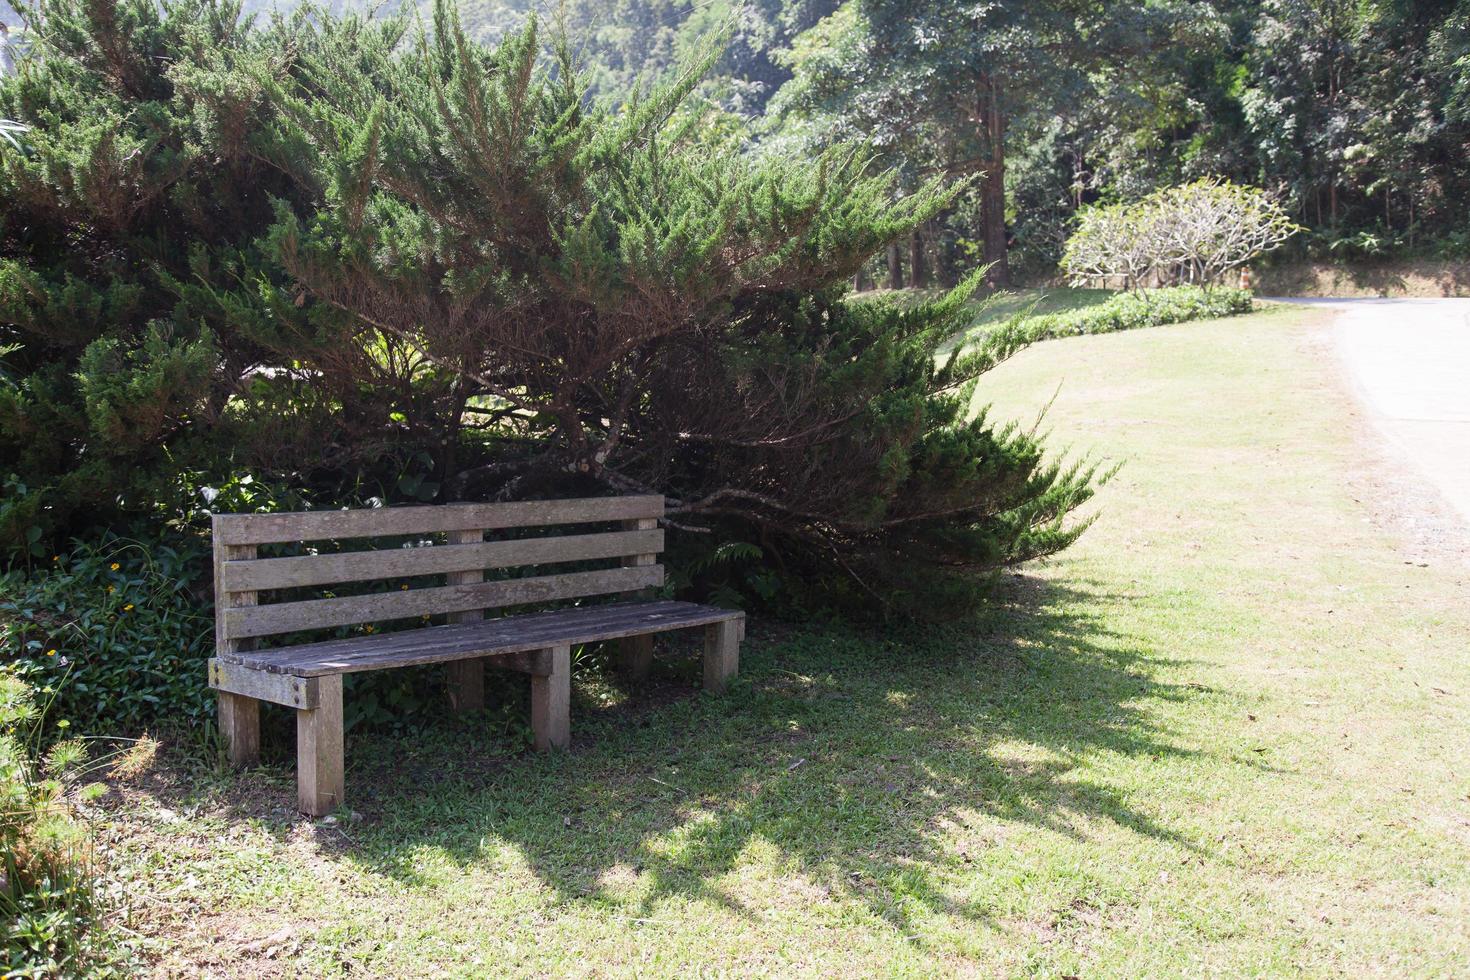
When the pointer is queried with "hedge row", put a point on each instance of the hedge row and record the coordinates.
(1147, 308)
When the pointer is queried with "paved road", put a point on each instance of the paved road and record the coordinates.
(1410, 359)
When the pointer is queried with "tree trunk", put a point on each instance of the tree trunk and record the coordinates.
(895, 267)
(918, 273)
(993, 186)
(944, 258)
(860, 281)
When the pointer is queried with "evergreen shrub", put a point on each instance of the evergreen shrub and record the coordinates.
(340, 254)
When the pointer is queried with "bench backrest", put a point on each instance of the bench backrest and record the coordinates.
(448, 540)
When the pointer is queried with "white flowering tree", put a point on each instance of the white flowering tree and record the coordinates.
(1194, 233)
(1113, 242)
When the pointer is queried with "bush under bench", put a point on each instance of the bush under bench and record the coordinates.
(308, 677)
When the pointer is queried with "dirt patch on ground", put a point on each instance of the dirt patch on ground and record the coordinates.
(1416, 278)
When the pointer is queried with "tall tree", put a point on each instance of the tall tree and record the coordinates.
(949, 85)
(1351, 107)
(128, 278)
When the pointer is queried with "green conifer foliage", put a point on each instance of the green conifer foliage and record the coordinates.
(125, 258)
(145, 331)
(625, 305)
(338, 252)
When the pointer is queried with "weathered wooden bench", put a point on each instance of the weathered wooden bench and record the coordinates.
(451, 548)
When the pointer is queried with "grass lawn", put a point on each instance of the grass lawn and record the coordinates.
(998, 307)
(1226, 734)
(994, 308)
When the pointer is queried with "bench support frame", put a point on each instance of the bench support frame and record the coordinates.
(320, 768)
(551, 699)
(721, 654)
(635, 653)
(466, 678)
(239, 726)
(316, 692)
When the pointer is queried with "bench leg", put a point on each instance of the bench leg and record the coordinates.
(635, 656)
(551, 700)
(721, 654)
(239, 726)
(319, 762)
(466, 685)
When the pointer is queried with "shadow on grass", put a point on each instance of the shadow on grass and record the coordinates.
(846, 753)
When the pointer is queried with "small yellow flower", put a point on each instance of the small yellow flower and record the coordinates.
(111, 588)
(56, 558)
(115, 566)
(50, 653)
(128, 607)
(369, 629)
(404, 587)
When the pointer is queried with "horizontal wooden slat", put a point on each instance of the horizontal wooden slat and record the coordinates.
(287, 617)
(363, 566)
(509, 635)
(388, 521)
(293, 692)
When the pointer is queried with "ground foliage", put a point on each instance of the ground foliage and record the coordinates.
(52, 911)
(1145, 308)
(118, 629)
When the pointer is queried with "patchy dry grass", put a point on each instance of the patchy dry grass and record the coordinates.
(1227, 734)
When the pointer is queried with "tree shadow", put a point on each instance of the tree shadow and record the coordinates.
(850, 755)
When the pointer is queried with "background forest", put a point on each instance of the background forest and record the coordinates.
(1356, 114)
(261, 258)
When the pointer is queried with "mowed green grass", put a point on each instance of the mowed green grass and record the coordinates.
(992, 308)
(1225, 734)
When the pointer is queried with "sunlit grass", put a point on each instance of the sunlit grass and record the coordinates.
(1223, 735)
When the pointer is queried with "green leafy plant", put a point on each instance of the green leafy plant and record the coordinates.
(50, 907)
(126, 622)
(726, 573)
(1454, 246)
(1147, 308)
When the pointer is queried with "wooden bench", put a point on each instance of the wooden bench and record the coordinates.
(450, 552)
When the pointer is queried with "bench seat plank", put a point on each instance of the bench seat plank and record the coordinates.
(510, 634)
